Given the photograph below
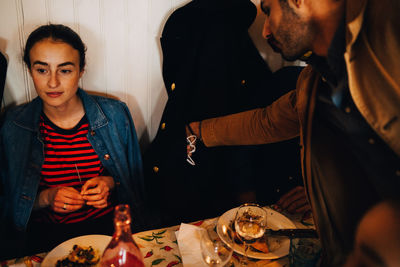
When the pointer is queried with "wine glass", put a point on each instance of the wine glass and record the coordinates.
(250, 224)
(213, 250)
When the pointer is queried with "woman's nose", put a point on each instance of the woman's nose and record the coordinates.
(266, 31)
(53, 80)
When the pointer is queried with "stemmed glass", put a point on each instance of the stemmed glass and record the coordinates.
(213, 250)
(250, 224)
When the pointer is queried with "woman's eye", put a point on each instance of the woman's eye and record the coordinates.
(41, 71)
(65, 71)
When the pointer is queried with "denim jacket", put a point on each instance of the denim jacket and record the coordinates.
(112, 135)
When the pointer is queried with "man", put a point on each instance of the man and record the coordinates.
(346, 109)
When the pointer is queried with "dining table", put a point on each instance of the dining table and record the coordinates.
(160, 247)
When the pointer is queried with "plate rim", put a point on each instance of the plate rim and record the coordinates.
(255, 255)
(47, 261)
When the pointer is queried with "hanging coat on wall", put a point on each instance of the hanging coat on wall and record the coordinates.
(210, 68)
(3, 71)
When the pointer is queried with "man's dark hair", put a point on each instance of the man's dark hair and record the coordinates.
(57, 32)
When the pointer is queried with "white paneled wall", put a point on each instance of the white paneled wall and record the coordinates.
(124, 55)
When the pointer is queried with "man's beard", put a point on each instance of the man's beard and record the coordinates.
(277, 47)
(274, 44)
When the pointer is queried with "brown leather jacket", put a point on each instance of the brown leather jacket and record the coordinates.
(373, 63)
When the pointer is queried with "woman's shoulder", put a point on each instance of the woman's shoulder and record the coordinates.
(111, 107)
(22, 110)
(107, 100)
(92, 99)
(100, 107)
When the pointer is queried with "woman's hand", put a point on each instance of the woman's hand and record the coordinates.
(60, 199)
(295, 201)
(96, 191)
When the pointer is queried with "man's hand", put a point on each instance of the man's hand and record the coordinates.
(96, 191)
(60, 199)
(295, 201)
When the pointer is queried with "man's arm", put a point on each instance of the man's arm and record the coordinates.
(277, 122)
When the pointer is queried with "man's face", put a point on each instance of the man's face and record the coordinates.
(286, 32)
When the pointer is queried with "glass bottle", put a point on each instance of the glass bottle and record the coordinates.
(122, 249)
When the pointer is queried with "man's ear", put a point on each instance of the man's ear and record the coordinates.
(301, 7)
(295, 3)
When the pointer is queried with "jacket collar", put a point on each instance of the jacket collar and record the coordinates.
(29, 117)
(93, 111)
(354, 19)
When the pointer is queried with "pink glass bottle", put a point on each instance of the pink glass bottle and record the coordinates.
(122, 249)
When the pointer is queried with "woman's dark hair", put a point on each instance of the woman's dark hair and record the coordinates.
(57, 32)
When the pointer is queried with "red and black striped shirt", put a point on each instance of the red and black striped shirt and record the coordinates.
(68, 156)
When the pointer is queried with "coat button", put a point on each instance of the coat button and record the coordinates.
(347, 110)
(163, 126)
(172, 86)
(243, 82)
(92, 133)
(155, 169)
(107, 157)
(371, 141)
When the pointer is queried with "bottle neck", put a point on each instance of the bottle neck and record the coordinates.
(122, 223)
(122, 229)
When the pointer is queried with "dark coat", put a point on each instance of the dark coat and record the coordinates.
(3, 71)
(210, 68)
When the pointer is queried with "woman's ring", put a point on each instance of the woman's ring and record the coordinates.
(65, 206)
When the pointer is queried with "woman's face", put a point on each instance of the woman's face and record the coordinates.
(55, 72)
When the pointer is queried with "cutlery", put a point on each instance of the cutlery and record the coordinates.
(293, 233)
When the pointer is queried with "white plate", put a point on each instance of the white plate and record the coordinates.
(98, 242)
(275, 221)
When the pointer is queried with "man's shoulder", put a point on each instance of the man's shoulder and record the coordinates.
(382, 12)
(306, 75)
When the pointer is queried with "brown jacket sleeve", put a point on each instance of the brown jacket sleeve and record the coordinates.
(276, 122)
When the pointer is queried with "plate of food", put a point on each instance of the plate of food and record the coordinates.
(79, 251)
(267, 247)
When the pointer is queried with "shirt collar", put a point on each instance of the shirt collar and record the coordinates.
(332, 67)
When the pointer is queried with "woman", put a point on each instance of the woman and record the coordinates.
(67, 158)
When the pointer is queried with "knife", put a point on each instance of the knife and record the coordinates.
(293, 233)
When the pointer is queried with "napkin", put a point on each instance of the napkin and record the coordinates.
(188, 239)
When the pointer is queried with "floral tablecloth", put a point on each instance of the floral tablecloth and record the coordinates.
(160, 248)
